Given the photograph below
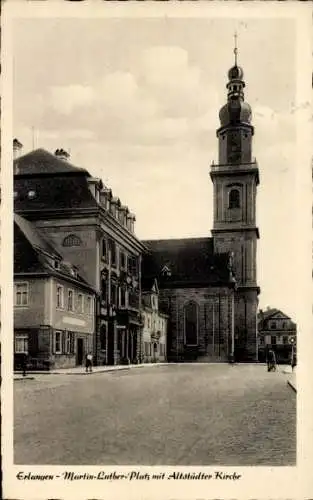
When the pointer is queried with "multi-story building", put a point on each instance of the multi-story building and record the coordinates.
(154, 337)
(94, 231)
(54, 306)
(278, 332)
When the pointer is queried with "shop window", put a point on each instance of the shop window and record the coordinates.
(69, 343)
(58, 341)
(21, 344)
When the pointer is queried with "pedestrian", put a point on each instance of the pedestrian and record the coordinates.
(89, 362)
(271, 361)
(293, 359)
(24, 363)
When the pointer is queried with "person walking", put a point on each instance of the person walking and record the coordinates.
(293, 359)
(271, 361)
(24, 364)
(89, 362)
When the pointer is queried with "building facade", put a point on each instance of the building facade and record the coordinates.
(278, 332)
(95, 232)
(54, 307)
(154, 324)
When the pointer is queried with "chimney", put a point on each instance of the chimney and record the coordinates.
(62, 154)
(17, 148)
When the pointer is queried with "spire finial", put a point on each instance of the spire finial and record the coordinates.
(235, 48)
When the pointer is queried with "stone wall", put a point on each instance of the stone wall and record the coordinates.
(214, 323)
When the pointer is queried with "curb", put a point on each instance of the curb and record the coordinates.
(24, 378)
(293, 387)
(94, 372)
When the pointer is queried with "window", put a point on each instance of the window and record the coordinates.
(234, 198)
(58, 337)
(80, 303)
(132, 266)
(89, 305)
(104, 296)
(15, 194)
(122, 260)
(56, 264)
(112, 250)
(21, 294)
(69, 343)
(21, 344)
(103, 249)
(191, 323)
(70, 301)
(261, 340)
(72, 241)
(285, 339)
(273, 339)
(60, 297)
(273, 325)
(114, 294)
(123, 297)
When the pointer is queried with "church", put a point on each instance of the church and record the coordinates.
(209, 285)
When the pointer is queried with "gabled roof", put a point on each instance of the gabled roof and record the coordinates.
(36, 239)
(41, 162)
(271, 313)
(34, 253)
(186, 261)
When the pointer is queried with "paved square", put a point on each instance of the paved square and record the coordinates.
(201, 414)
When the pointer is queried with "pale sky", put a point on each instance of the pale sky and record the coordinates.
(136, 102)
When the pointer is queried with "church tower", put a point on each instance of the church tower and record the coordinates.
(235, 179)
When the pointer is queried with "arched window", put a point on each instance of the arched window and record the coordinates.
(191, 323)
(234, 198)
(72, 241)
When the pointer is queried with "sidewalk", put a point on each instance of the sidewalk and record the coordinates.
(81, 370)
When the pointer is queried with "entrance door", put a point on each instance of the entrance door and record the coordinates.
(80, 351)
(111, 342)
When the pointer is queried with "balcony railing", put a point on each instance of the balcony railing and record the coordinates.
(217, 167)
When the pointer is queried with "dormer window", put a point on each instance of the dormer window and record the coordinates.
(56, 264)
(31, 195)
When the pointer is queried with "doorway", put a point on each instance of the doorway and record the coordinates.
(80, 352)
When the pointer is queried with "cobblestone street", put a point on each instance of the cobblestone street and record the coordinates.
(168, 415)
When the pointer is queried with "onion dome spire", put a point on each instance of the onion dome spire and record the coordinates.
(236, 110)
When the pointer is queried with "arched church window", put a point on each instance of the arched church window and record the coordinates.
(191, 314)
(72, 241)
(234, 198)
